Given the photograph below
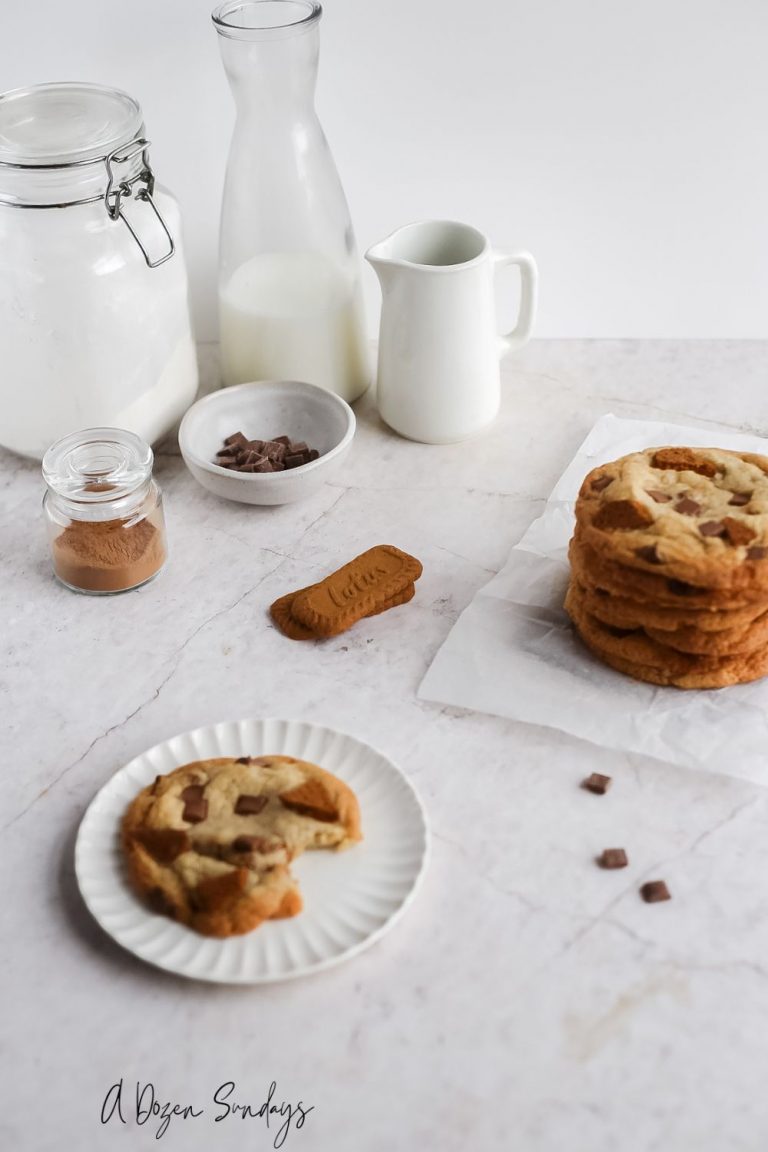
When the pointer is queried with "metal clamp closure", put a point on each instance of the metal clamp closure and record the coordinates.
(118, 189)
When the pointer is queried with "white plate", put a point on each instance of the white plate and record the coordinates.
(351, 898)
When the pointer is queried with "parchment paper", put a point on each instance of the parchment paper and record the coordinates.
(513, 653)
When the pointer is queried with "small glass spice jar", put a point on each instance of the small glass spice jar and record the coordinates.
(104, 511)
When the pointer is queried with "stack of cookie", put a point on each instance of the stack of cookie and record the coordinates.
(669, 566)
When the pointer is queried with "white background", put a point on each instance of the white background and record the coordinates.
(625, 144)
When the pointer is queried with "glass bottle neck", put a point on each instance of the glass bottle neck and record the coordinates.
(275, 75)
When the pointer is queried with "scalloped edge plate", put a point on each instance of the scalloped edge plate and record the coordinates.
(351, 898)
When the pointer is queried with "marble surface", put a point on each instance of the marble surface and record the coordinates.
(528, 1000)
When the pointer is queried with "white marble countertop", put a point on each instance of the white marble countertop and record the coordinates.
(528, 1000)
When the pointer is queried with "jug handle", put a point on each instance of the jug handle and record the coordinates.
(529, 283)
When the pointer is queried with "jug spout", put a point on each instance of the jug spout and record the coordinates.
(380, 257)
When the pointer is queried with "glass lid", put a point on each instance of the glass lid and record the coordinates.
(97, 465)
(52, 124)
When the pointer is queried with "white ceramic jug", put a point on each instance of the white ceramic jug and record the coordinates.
(439, 350)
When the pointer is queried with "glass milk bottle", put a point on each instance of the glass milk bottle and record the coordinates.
(290, 292)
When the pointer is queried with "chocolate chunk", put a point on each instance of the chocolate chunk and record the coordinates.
(757, 553)
(653, 891)
(687, 507)
(613, 858)
(597, 783)
(649, 554)
(195, 805)
(227, 461)
(295, 460)
(250, 805)
(228, 450)
(683, 460)
(313, 455)
(712, 528)
(255, 844)
(256, 464)
(274, 449)
(737, 531)
(623, 514)
(600, 483)
(740, 499)
(299, 446)
(256, 446)
(243, 760)
(284, 440)
(612, 630)
(235, 438)
(680, 588)
(163, 844)
(659, 496)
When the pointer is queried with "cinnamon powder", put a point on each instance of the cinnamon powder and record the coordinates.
(108, 555)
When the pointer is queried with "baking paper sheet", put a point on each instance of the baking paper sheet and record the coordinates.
(513, 653)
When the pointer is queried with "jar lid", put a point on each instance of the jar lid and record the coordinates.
(97, 466)
(49, 125)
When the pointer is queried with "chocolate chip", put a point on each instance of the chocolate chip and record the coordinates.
(649, 554)
(250, 805)
(659, 496)
(597, 783)
(195, 805)
(255, 844)
(653, 891)
(243, 760)
(687, 507)
(612, 630)
(712, 528)
(757, 553)
(241, 455)
(740, 499)
(274, 449)
(680, 588)
(600, 483)
(613, 858)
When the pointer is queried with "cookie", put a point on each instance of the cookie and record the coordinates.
(686, 636)
(210, 844)
(638, 655)
(698, 515)
(594, 571)
(281, 612)
(361, 588)
(623, 612)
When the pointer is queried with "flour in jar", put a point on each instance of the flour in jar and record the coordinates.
(293, 316)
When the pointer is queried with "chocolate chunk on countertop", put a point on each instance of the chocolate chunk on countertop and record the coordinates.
(654, 891)
(597, 783)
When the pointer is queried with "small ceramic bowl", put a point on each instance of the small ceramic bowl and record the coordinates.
(262, 411)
